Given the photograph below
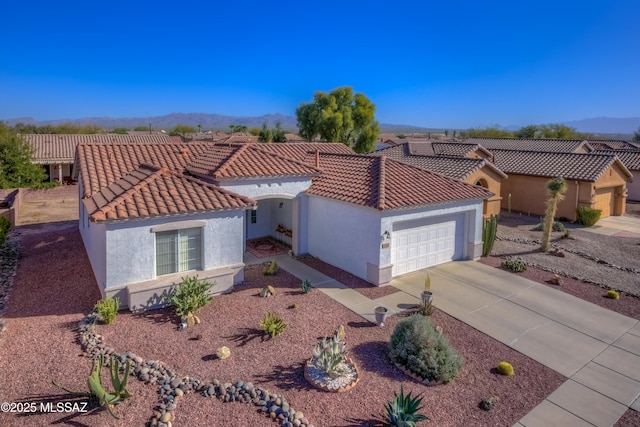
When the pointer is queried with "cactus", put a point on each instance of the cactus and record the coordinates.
(489, 234)
(613, 294)
(306, 286)
(329, 353)
(106, 399)
(272, 324)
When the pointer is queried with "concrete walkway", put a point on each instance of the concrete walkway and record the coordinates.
(612, 225)
(598, 350)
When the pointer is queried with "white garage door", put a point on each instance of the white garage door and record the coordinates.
(424, 246)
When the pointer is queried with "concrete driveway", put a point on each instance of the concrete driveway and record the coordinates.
(596, 349)
(616, 225)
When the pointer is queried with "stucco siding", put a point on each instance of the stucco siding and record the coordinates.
(634, 187)
(343, 234)
(131, 245)
(493, 184)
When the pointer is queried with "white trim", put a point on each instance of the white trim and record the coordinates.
(170, 226)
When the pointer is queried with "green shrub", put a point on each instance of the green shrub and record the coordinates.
(516, 265)
(416, 345)
(613, 294)
(190, 295)
(329, 353)
(305, 285)
(557, 226)
(5, 229)
(272, 269)
(403, 410)
(505, 368)
(107, 308)
(587, 216)
(272, 324)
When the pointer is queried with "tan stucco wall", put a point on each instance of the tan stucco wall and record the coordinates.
(528, 193)
(493, 180)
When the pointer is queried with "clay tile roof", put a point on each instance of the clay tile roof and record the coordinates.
(631, 159)
(545, 145)
(575, 166)
(60, 148)
(100, 165)
(611, 144)
(237, 161)
(429, 148)
(150, 191)
(300, 150)
(383, 183)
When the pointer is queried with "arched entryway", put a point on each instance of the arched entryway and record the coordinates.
(483, 183)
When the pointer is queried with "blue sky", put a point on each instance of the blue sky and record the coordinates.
(454, 64)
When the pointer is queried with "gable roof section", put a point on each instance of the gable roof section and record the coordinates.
(383, 183)
(631, 159)
(543, 145)
(60, 148)
(150, 191)
(100, 165)
(238, 161)
(575, 166)
(428, 148)
(611, 144)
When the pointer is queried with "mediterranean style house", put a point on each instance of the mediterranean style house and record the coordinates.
(153, 212)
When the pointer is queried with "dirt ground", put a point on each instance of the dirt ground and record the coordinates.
(50, 205)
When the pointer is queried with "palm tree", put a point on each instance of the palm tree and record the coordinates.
(555, 190)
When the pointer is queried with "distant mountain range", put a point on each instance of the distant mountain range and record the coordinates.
(598, 125)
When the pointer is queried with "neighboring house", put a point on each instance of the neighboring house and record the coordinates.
(464, 162)
(543, 145)
(611, 144)
(631, 160)
(56, 152)
(597, 181)
(152, 213)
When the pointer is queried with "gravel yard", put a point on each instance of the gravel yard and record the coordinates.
(608, 261)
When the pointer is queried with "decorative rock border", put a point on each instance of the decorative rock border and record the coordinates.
(172, 386)
(323, 387)
(415, 377)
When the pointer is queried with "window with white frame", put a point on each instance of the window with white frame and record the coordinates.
(178, 250)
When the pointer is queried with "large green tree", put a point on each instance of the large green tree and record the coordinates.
(550, 131)
(636, 136)
(340, 116)
(493, 131)
(16, 169)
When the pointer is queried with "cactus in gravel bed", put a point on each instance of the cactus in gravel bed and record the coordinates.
(489, 234)
(613, 294)
(106, 399)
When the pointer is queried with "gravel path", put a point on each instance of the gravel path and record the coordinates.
(55, 288)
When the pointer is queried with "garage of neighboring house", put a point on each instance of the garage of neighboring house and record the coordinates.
(420, 244)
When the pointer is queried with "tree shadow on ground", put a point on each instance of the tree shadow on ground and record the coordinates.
(372, 357)
(158, 316)
(360, 422)
(246, 335)
(287, 377)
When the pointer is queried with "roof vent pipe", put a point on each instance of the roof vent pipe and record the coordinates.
(317, 158)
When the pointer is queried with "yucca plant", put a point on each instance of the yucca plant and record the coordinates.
(108, 308)
(272, 324)
(402, 411)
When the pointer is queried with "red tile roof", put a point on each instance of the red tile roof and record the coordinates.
(575, 166)
(150, 191)
(100, 165)
(237, 161)
(382, 183)
(300, 150)
(60, 148)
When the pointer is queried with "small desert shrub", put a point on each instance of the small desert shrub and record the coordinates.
(416, 345)
(190, 295)
(516, 265)
(613, 294)
(328, 354)
(587, 216)
(107, 309)
(5, 229)
(505, 368)
(567, 235)
(305, 285)
(272, 324)
(272, 269)
(557, 226)
(403, 410)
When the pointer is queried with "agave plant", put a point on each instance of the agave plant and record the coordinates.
(329, 353)
(402, 410)
(106, 399)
